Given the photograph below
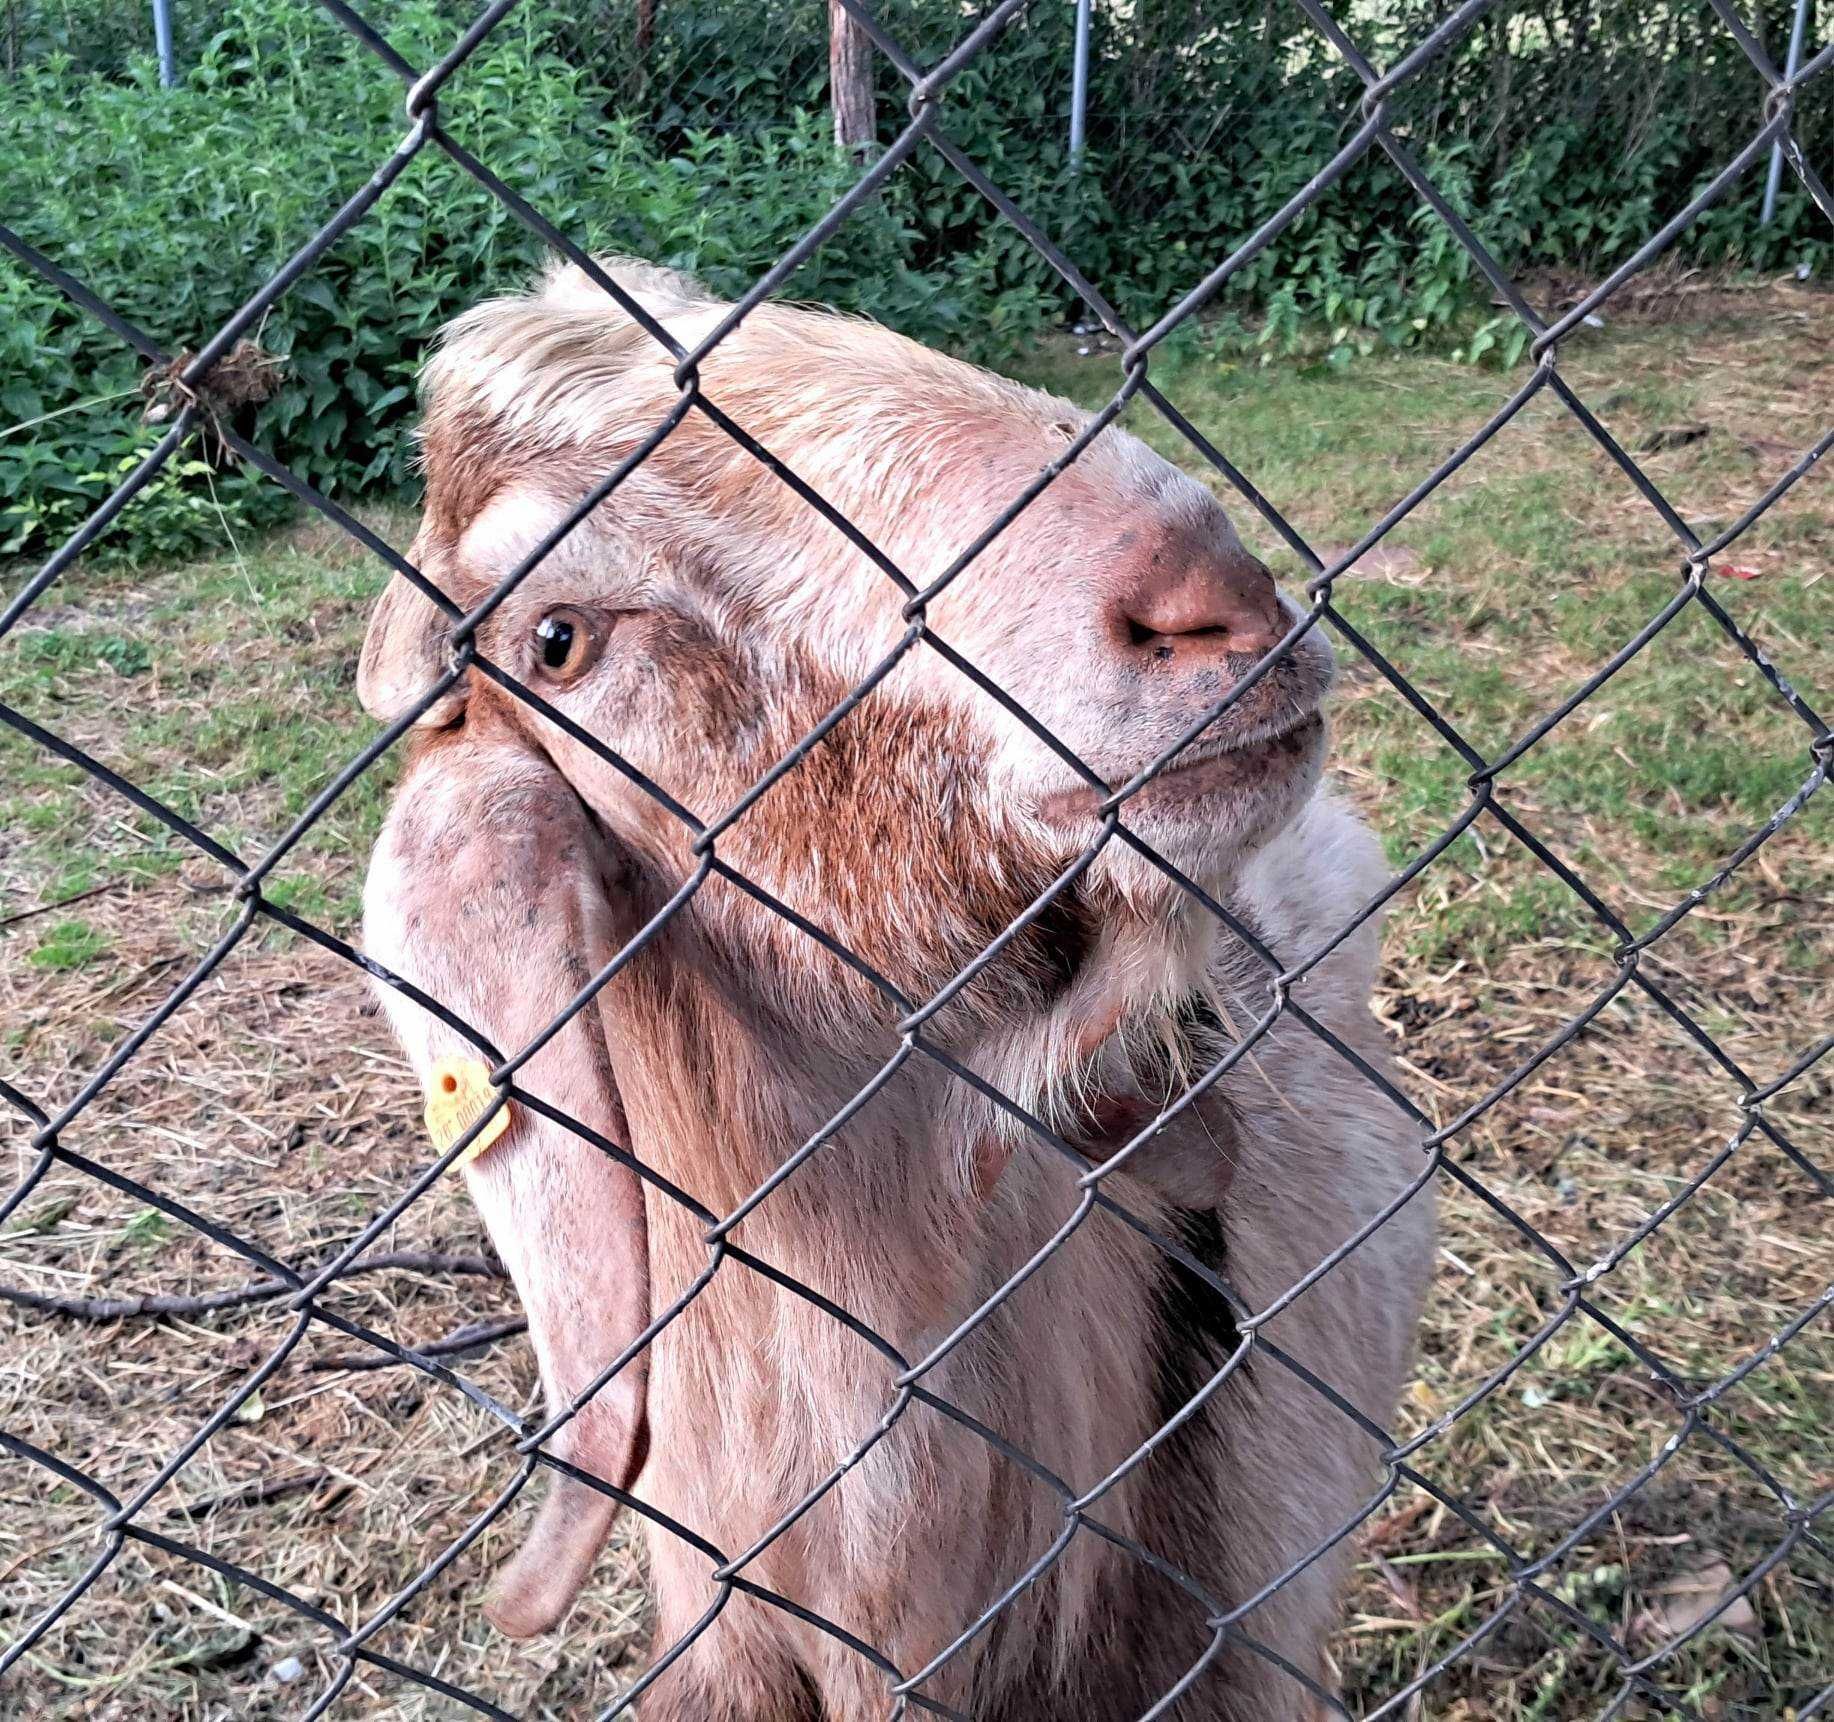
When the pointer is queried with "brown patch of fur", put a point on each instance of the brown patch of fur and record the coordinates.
(467, 462)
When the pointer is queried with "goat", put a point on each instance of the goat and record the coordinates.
(700, 622)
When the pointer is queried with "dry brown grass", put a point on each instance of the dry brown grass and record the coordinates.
(275, 1106)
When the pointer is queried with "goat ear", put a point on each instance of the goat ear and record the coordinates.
(404, 655)
(488, 890)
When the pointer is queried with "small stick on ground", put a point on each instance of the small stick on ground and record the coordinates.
(256, 1291)
(61, 903)
(468, 1338)
(248, 1495)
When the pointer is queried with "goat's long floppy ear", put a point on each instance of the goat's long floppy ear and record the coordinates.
(488, 890)
(404, 654)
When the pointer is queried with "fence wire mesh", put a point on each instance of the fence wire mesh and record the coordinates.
(1643, 1676)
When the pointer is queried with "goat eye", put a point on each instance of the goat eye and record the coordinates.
(566, 643)
(556, 637)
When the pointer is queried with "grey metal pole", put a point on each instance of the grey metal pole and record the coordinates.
(1796, 32)
(1079, 81)
(162, 40)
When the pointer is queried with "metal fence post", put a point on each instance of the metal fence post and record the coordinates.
(1796, 32)
(162, 42)
(1079, 83)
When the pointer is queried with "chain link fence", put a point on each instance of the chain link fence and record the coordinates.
(1644, 1678)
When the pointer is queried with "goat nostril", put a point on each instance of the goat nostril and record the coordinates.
(1162, 643)
(1204, 607)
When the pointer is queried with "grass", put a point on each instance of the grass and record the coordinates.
(1497, 599)
(275, 1105)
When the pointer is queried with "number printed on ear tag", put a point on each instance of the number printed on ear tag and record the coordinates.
(458, 1090)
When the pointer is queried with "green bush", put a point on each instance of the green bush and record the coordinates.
(711, 153)
(176, 205)
(1565, 131)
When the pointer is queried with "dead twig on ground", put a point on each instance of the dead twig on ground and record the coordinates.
(472, 1337)
(256, 1291)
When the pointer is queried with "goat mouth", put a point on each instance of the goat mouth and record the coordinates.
(1260, 763)
(1249, 765)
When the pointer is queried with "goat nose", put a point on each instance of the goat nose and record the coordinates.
(1201, 611)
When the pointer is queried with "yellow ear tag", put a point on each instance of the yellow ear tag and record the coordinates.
(458, 1089)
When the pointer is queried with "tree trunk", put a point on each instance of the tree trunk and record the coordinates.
(850, 81)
